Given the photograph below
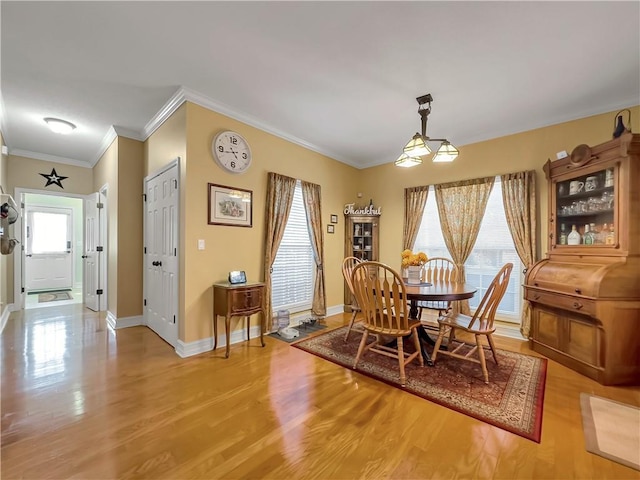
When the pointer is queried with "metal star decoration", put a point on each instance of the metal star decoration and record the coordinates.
(53, 178)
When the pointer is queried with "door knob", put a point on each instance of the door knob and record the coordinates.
(85, 256)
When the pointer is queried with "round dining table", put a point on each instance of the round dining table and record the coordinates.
(434, 292)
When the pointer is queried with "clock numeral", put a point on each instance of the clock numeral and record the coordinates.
(233, 140)
(221, 149)
(233, 164)
(244, 155)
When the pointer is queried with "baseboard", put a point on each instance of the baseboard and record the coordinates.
(189, 349)
(5, 317)
(124, 322)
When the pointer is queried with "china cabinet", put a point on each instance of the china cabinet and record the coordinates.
(586, 294)
(361, 241)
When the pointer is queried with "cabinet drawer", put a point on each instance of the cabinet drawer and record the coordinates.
(572, 303)
(246, 299)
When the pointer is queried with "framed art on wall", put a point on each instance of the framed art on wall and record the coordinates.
(230, 206)
(330, 228)
(334, 218)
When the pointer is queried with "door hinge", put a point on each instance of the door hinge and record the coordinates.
(174, 319)
(22, 205)
(99, 291)
(145, 249)
(99, 249)
(144, 197)
(22, 290)
(144, 302)
(175, 252)
(99, 205)
(175, 183)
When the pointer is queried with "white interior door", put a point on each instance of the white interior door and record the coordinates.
(91, 256)
(161, 254)
(49, 249)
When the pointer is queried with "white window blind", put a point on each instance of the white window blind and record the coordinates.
(493, 248)
(294, 268)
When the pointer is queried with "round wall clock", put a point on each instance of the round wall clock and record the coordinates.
(231, 151)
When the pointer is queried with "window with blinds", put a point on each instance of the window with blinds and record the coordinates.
(294, 268)
(493, 248)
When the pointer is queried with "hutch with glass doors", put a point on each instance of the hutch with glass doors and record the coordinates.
(361, 237)
(586, 294)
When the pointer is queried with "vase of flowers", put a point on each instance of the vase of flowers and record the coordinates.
(412, 264)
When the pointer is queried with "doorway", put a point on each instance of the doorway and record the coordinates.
(48, 265)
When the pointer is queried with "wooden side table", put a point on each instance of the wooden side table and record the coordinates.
(237, 300)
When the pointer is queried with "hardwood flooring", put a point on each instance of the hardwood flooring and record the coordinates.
(82, 401)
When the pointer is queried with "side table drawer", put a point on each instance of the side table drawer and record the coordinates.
(246, 299)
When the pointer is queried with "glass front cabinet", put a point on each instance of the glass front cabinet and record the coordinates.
(361, 241)
(585, 295)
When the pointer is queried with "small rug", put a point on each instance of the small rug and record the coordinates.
(304, 331)
(611, 429)
(54, 296)
(512, 400)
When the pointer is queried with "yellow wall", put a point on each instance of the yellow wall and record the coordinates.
(523, 151)
(105, 172)
(23, 172)
(236, 248)
(130, 223)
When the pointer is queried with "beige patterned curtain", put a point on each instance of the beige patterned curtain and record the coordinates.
(519, 197)
(415, 198)
(461, 206)
(311, 199)
(280, 190)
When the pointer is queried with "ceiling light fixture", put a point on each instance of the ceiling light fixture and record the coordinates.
(418, 146)
(60, 126)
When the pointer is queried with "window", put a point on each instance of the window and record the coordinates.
(493, 248)
(294, 268)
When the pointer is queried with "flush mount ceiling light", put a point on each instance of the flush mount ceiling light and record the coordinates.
(418, 145)
(59, 126)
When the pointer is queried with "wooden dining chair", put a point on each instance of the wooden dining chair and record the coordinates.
(348, 264)
(381, 295)
(480, 324)
(438, 269)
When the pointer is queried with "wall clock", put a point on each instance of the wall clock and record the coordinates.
(231, 151)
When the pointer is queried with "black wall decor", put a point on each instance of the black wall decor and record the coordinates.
(53, 178)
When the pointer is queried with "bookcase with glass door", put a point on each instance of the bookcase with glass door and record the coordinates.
(586, 294)
(361, 241)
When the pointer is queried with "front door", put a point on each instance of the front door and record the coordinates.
(161, 254)
(48, 256)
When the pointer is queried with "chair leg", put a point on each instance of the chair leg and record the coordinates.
(403, 376)
(363, 342)
(483, 362)
(436, 347)
(452, 337)
(353, 319)
(493, 347)
(416, 343)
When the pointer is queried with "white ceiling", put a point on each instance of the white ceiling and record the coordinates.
(340, 78)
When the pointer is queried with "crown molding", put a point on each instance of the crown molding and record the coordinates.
(129, 133)
(45, 157)
(184, 94)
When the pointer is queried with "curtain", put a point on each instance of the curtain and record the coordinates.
(519, 197)
(280, 190)
(461, 206)
(311, 199)
(415, 198)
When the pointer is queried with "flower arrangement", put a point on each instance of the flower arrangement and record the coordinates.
(410, 259)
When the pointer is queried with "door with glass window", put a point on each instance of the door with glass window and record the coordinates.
(48, 255)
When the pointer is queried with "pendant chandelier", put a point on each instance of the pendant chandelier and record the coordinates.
(418, 146)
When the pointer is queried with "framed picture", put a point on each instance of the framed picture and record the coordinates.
(230, 206)
(330, 229)
(334, 218)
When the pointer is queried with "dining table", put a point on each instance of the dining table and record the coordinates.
(434, 292)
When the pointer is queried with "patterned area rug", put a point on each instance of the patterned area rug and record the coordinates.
(512, 400)
(54, 296)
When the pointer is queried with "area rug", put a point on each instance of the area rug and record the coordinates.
(304, 330)
(611, 429)
(54, 296)
(512, 400)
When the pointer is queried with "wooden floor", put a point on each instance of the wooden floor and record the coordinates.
(82, 401)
